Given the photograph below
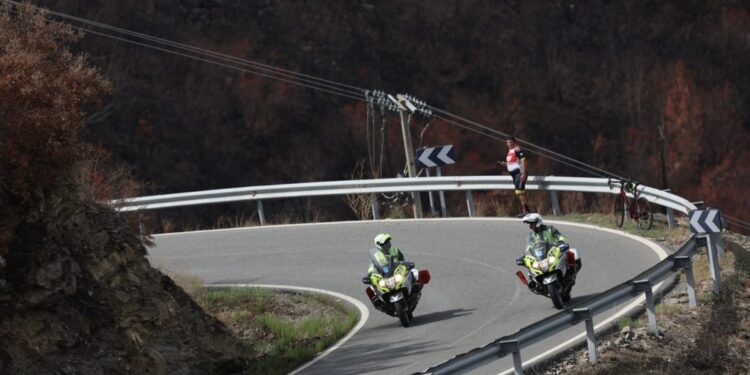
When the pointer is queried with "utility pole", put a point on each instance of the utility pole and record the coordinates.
(404, 104)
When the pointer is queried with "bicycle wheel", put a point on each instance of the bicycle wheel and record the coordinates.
(619, 211)
(645, 216)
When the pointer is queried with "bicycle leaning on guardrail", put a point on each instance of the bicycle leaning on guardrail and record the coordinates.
(639, 208)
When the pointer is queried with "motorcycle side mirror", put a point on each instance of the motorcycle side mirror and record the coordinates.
(519, 261)
(366, 280)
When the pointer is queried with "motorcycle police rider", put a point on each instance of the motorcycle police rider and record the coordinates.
(541, 232)
(387, 253)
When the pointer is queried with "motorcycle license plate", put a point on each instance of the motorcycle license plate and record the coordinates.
(396, 297)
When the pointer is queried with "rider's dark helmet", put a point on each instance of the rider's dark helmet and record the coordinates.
(383, 241)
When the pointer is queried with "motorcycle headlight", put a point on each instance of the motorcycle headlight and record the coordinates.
(544, 265)
(390, 282)
(552, 259)
(398, 278)
(535, 264)
(381, 283)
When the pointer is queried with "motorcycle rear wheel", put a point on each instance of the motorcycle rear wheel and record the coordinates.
(402, 313)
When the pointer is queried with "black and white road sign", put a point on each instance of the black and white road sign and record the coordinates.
(705, 221)
(435, 156)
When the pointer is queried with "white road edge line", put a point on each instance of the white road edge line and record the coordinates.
(639, 301)
(363, 311)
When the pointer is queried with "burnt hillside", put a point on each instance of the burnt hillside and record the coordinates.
(656, 91)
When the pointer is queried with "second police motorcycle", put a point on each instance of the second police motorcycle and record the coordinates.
(552, 270)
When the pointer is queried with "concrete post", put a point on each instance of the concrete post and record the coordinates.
(411, 166)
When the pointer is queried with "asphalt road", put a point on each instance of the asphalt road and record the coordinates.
(474, 296)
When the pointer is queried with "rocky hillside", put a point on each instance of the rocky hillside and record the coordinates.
(77, 293)
(79, 296)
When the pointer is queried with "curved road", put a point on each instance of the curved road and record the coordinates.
(474, 296)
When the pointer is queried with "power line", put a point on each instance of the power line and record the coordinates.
(502, 138)
(312, 82)
(542, 151)
(304, 80)
(260, 69)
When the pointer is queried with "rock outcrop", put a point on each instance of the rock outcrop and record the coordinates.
(78, 295)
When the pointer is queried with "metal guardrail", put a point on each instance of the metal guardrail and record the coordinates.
(529, 335)
(389, 185)
(512, 344)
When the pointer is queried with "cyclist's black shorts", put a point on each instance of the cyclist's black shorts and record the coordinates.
(519, 184)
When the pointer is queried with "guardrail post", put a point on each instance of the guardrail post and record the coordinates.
(375, 207)
(261, 214)
(555, 202)
(442, 195)
(584, 313)
(686, 263)
(644, 286)
(713, 262)
(719, 241)
(432, 202)
(141, 225)
(470, 203)
(670, 213)
(515, 348)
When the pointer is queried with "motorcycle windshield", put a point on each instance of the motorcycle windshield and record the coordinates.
(539, 249)
(384, 264)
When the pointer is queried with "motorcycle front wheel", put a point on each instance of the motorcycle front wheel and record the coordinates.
(402, 313)
(554, 294)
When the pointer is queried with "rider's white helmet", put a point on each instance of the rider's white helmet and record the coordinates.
(383, 241)
(533, 218)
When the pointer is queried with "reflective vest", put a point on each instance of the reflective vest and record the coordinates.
(548, 234)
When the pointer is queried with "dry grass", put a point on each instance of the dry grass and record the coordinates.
(281, 330)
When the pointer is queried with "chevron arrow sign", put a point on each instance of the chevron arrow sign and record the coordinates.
(435, 156)
(705, 221)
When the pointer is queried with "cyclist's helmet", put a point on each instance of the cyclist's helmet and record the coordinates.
(533, 218)
(383, 241)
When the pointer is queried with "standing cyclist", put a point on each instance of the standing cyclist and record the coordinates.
(515, 161)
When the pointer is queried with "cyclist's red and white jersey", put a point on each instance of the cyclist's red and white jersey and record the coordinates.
(514, 157)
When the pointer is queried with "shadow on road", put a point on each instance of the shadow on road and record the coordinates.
(438, 316)
(368, 358)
